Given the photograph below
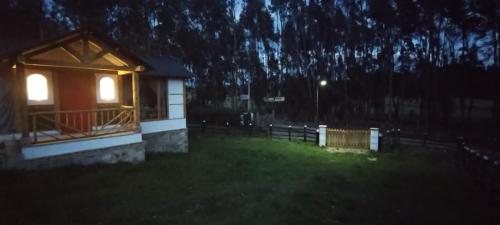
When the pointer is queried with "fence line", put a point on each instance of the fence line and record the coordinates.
(249, 130)
(293, 132)
(305, 133)
(483, 166)
(395, 136)
(338, 138)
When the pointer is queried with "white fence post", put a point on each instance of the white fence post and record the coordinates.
(322, 135)
(374, 139)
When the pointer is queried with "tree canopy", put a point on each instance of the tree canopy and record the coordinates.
(370, 50)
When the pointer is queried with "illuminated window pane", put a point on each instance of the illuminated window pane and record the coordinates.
(107, 89)
(38, 89)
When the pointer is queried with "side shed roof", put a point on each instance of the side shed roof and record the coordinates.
(165, 66)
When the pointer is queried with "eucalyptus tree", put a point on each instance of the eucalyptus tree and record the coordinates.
(25, 21)
(490, 11)
(257, 23)
(87, 13)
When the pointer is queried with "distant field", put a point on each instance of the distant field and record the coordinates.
(229, 180)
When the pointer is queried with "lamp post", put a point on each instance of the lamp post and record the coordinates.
(322, 83)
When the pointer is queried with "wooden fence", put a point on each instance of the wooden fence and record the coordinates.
(348, 138)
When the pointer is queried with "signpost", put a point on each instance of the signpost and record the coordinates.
(274, 99)
(244, 97)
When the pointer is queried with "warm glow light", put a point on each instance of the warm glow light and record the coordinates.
(38, 88)
(107, 89)
(322, 83)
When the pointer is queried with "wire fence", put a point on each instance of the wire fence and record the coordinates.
(236, 130)
(395, 137)
(297, 133)
(290, 132)
(482, 164)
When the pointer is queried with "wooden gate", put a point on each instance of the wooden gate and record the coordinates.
(348, 138)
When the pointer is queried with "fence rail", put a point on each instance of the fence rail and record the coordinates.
(53, 126)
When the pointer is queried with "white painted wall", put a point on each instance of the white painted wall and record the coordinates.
(10, 137)
(149, 127)
(176, 99)
(18, 136)
(374, 139)
(175, 86)
(176, 111)
(54, 149)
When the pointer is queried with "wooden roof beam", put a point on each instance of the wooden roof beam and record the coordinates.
(50, 46)
(86, 49)
(76, 55)
(53, 63)
(112, 51)
(98, 55)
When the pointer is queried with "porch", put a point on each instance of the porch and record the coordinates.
(52, 126)
(75, 87)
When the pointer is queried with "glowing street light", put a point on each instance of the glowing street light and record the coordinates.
(322, 83)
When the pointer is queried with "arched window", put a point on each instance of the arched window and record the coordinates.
(107, 88)
(38, 87)
(107, 91)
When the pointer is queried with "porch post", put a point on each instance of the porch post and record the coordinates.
(21, 108)
(374, 139)
(136, 98)
(322, 135)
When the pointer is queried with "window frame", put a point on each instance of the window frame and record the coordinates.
(50, 87)
(114, 77)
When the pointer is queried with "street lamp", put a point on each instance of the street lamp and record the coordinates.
(322, 83)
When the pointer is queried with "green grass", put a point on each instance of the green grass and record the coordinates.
(251, 181)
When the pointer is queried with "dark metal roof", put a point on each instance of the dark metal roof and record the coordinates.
(164, 66)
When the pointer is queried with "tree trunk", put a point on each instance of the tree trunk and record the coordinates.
(470, 108)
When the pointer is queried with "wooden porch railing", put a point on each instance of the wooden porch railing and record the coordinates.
(348, 138)
(63, 125)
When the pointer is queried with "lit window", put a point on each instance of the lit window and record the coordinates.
(38, 88)
(106, 88)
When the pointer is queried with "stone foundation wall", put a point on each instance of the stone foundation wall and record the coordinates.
(133, 153)
(167, 141)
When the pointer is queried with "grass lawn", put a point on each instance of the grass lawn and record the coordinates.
(251, 181)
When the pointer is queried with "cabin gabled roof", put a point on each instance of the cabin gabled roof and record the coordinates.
(79, 48)
(93, 50)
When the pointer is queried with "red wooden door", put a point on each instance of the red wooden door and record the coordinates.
(76, 92)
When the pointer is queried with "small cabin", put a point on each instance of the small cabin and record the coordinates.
(81, 99)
